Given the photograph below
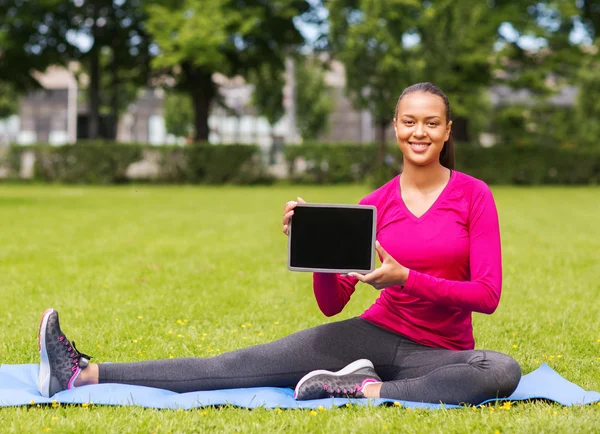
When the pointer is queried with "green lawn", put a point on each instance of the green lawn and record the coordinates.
(142, 272)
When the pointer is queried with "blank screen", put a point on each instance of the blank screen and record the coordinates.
(332, 238)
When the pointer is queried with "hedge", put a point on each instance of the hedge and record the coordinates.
(501, 164)
(110, 163)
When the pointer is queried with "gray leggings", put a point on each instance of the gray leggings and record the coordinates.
(410, 371)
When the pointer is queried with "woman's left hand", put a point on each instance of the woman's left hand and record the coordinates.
(391, 273)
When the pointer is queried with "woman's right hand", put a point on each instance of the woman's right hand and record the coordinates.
(288, 212)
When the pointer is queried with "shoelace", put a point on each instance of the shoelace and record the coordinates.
(80, 360)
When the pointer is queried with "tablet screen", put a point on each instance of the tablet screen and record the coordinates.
(332, 238)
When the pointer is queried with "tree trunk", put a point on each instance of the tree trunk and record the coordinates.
(114, 104)
(114, 69)
(202, 91)
(94, 85)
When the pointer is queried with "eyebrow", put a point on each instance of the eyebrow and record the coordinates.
(427, 117)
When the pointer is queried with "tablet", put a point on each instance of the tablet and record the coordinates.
(332, 238)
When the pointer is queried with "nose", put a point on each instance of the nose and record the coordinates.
(419, 131)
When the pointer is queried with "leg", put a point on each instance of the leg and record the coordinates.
(453, 377)
(280, 363)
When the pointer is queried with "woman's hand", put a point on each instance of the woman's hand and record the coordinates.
(288, 212)
(390, 273)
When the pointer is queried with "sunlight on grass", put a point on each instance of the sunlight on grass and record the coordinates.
(142, 272)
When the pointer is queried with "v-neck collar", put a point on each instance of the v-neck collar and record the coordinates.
(435, 203)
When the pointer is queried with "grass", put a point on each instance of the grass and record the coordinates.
(142, 272)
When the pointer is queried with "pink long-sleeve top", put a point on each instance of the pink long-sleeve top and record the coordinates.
(454, 256)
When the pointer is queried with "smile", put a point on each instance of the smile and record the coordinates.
(419, 146)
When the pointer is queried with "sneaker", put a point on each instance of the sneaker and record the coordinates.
(60, 362)
(345, 383)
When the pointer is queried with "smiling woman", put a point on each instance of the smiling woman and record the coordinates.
(439, 243)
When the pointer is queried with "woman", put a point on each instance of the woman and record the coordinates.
(439, 242)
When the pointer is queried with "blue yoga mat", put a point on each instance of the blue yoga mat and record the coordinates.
(18, 386)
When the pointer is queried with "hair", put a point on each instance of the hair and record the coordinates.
(447, 154)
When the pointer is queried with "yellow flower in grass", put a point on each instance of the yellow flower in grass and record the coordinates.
(397, 404)
(170, 332)
(55, 404)
(507, 405)
(348, 404)
(279, 411)
(313, 413)
(321, 408)
(204, 413)
(140, 317)
(515, 346)
(31, 402)
(46, 429)
(276, 323)
(54, 418)
(85, 405)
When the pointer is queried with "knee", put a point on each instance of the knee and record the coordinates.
(505, 371)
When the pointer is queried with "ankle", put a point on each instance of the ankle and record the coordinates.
(88, 375)
(371, 389)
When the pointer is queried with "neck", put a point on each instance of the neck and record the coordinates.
(424, 177)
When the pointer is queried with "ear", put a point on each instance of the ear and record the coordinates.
(448, 130)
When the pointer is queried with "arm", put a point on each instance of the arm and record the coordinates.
(332, 291)
(482, 292)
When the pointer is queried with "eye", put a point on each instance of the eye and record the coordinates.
(408, 122)
(433, 124)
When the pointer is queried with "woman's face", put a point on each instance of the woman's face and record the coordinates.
(422, 128)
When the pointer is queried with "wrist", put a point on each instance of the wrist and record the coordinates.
(404, 277)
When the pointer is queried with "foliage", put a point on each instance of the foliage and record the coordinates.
(9, 100)
(108, 163)
(267, 96)
(366, 36)
(588, 103)
(313, 98)
(501, 164)
(197, 39)
(37, 34)
(33, 36)
(179, 114)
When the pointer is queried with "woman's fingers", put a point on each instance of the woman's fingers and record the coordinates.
(288, 212)
(287, 217)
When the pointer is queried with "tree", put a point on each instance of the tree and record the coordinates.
(120, 46)
(179, 114)
(9, 100)
(366, 36)
(267, 97)
(313, 98)
(197, 39)
(33, 36)
(37, 34)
